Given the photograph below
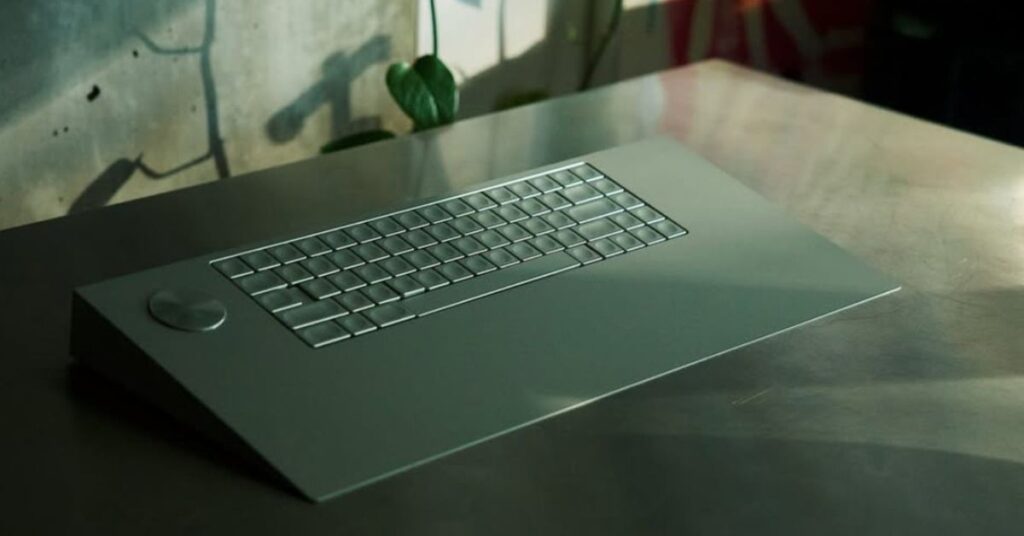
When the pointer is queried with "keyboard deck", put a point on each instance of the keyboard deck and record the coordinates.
(353, 280)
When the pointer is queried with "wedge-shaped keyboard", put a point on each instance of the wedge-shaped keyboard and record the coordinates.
(358, 279)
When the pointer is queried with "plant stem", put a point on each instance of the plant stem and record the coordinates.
(433, 25)
(613, 25)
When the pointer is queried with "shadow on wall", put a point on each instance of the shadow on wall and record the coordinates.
(339, 69)
(103, 188)
(45, 45)
(655, 36)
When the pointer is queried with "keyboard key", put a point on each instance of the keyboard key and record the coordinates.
(286, 253)
(478, 265)
(260, 282)
(345, 259)
(431, 279)
(488, 220)
(434, 214)
(468, 246)
(371, 273)
(537, 226)
(442, 232)
(546, 244)
(648, 236)
(421, 259)
(669, 229)
(338, 239)
(445, 252)
(347, 281)
(597, 229)
(485, 285)
(457, 207)
(593, 210)
(380, 293)
(260, 260)
(532, 207)
(354, 301)
(554, 201)
(363, 233)
(627, 200)
(523, 251)
(586, 172)
(387, 226)
(501, 195)
(606, 248)
(524, 190)
(514, 232)
(406, 286)
(370, 252)
(312, 246)
(480, 202)
(581, 194)
(454, 272)
(568, 238)
(319, 266)
(233, 267)
(397, 266)
(627, 221)
(544, 184)
(584, 254)
(279, 300)
(388, 315)
(323, 334)
(419, 238)
(558, 220)
(511, 214)
(565, 178)
(627, 241)
(395, 245)
(311, 313)
(412, 220)
(647, 215)
(293, 274)
(492, 239)
(501, 258)
(319, 289)
(356, 324)
(606, 186)
(467, 225)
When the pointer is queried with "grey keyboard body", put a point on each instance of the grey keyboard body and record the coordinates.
(350, 353)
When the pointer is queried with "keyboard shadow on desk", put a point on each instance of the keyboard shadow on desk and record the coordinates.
(128, 410)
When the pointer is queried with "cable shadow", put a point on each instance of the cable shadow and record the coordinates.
(215, 142)
(333, 89)
(104, 187)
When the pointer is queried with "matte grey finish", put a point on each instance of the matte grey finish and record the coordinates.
(336, 418)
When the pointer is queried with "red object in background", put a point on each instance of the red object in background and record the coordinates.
(792, 37)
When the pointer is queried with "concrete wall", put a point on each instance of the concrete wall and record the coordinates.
(107, 100)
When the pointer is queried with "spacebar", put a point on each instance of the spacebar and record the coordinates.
(487, 284)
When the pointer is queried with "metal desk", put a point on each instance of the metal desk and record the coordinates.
(905, 416)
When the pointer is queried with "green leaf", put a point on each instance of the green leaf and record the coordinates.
(359, 138)
(425, 91)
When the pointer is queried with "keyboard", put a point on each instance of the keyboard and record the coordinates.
(357, 348)
(364, 277)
